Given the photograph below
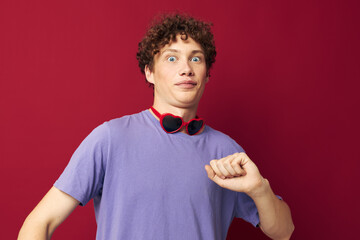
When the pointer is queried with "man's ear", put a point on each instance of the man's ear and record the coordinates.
(207, 79)
(149, 75)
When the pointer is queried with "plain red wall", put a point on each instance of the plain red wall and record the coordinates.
(285, 86)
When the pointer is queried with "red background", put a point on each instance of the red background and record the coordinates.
(285, 86)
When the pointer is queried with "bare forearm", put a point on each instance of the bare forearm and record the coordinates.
(34, 230)
(275, 216)
(51, 211)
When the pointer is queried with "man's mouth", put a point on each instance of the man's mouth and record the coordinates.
(186, 83)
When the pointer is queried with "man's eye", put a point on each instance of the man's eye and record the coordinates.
(171, 59)
(195, 59)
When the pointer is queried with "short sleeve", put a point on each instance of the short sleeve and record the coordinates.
(245, 208)
(83, 176)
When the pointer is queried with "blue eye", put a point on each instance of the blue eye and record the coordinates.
(171, 59)
(195, 59)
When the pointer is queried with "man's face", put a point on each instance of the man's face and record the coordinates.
(179, 74)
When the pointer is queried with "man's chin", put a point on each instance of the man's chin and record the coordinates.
(187, 103)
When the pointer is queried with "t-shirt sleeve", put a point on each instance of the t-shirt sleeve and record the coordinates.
(83, 176)
(245, 208)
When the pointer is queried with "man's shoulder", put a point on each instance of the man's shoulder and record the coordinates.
(125, 120)
(223, 140)
(121, 123)
(218, 134)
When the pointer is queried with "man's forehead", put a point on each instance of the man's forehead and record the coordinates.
(179, 45)
(178, 50)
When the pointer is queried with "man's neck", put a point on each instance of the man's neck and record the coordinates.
(185, 113)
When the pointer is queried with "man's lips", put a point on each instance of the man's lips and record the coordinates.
(186, 82)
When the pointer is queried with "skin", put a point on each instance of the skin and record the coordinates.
(177, 62)
(179, 76)
(51, 211)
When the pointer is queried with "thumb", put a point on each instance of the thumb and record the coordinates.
(210, 172)
(213, 177)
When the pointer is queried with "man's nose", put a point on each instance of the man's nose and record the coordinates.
(186, 69)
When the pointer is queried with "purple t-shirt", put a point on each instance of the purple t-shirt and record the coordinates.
(147, 184)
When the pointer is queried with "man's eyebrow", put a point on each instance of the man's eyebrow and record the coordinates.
(170, 50)
(176, 51)
(198, 51)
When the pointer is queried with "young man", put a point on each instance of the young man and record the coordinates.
(146, 172)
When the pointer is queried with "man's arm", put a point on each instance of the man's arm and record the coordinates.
(274, 214)
(238, 173)
(51, 211)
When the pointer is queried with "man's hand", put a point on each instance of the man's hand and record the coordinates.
(237, 173)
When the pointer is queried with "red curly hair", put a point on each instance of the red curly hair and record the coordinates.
(166, 28)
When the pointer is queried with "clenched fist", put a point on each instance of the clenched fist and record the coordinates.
(238, 173)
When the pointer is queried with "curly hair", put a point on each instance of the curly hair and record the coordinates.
(165, 29)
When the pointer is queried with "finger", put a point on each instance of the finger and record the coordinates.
(227, 164)
(242, 159)
(213, 164)
(236, 164)
(222, 169)
(239, 171)
(210, 172)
